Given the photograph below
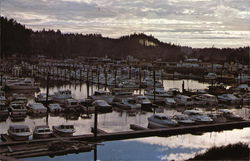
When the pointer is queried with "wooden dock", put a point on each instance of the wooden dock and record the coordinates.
(81, 143)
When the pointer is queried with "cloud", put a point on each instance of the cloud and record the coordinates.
(187, 22)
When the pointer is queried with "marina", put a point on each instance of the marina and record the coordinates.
(124, 80)
(131, 125)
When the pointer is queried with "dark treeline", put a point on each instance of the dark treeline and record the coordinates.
(239, 55)
(16, 39)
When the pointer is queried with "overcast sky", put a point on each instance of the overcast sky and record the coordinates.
(196, 23)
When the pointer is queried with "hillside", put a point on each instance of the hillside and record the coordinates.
(17, 39)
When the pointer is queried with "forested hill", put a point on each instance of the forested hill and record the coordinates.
(16, 39)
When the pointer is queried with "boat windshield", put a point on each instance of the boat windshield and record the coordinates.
(73, 103)
(67, 127)
(21, 130)
(161, 117)
(132, 101)
(43, 130)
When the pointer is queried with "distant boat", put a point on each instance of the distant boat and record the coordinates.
(130, 84)
(229, 115)
(17, 110)
(42, 98)
(228, 98)
(183, 119)
(149, 82)
(210, 76)
(19, 98)
(42, 131)
(37, 108)
(23, 84)
(19, 132)
(183, 100)
(102, 106)
(198, 116)
(64, 130)
(102, 95)
(131, 103)
(205, 99)
(146, 104)
(170, 102)
(159, 94)
(54, 108)
(61, 96)
(71, 104)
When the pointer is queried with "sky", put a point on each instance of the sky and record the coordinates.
(194, 23)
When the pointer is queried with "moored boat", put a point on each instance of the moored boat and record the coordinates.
(102, 95)
(230, 116)
(54, 108)
(36, 108)
(161, 121)
(42, 98)
(23, 84)
(19, 132)
(17, 110)
(42, 131)
(198, 116)
(184, 119)
(64, 130)
(61, 96)
(102, 106)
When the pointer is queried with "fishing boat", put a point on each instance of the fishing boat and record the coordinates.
(102, 106)
(183, 100)
(149, 82)
(130, 84)
(23, 84)
(64, 130)
(230, 116)
(205, 99)
(159, 94)
(102, 95)
(42, 131)
(71, 104)
(146, 104)
(210, 76)
(170, 102)
(19, 132)
(17, 110)
(198, 116)
(19, 98)
(131, 103)
(42, 98)
(128, 103)
(184, 119)
(61, 96)
(36, 108)
(161, 121)
(54, 108)
(228, 98)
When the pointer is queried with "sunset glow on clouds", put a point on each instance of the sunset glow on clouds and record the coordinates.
(196, 23)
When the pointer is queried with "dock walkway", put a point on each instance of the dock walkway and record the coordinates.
(89, 139)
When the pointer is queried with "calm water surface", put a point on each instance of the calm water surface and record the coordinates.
(151, 148)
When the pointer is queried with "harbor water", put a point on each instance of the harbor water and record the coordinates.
(179, 147)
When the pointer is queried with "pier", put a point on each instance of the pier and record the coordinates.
(84, 143)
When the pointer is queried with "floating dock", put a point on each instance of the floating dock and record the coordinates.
(83, 143)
